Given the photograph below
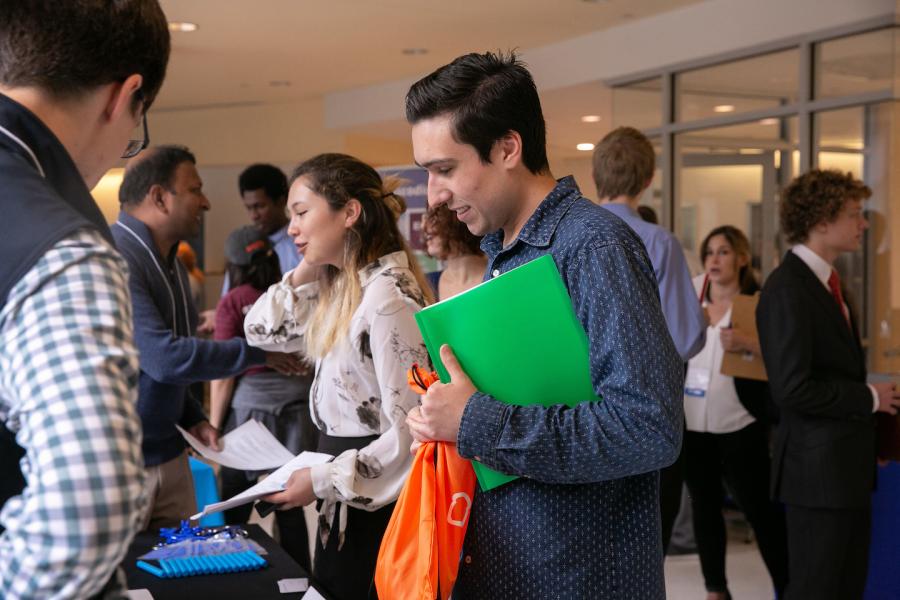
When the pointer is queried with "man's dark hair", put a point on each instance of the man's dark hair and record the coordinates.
(816, 197)
(155, 167)
(486, 96)
(67, 47)
(269, 178)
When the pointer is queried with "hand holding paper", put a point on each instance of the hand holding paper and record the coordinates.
(298, 491)
(273, 483)
(250, 447)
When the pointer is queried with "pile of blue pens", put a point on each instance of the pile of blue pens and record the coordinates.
(184, 551)
(205, 565)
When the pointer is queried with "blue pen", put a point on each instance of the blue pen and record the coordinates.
(179, 567)
(251, 560)
(207, 565)
(195, 566)
(229, 564)
(216, 565)
(256, 558)
(145, 566)
(167, 567)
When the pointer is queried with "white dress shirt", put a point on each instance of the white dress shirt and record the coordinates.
(711, 403)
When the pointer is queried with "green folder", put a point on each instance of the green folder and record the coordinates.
(518, 339)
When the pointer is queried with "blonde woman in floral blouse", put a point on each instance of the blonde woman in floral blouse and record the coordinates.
(349, 306)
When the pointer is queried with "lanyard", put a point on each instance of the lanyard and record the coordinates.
(165, 279)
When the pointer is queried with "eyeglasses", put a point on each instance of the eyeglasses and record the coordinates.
(136, 145)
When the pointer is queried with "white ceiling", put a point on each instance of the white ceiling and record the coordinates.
(313, 47)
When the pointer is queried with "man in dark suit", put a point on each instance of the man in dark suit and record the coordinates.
(824, 463)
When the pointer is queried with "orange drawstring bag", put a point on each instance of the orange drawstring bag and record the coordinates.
(419, 555)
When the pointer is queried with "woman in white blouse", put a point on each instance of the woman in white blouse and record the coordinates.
(350, 306)
(727, 428)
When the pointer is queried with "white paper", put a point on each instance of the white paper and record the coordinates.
(312, 594)
(293, 586)
(250, 447)
(141, 594)
(271, 484)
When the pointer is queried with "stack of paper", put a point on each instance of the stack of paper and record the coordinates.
(252, 447)
(271, 484)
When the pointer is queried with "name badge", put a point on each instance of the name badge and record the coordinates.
(696, 382)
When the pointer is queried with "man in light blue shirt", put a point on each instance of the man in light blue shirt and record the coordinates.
(623, 169)
(264, 191)
(624, 161)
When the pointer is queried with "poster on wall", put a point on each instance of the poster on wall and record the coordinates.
(413, 189)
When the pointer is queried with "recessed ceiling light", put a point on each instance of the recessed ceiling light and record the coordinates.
(182, 26)
(768, 122)
(585, 146)
(280, 83)
(590, 119)
(724, 108)
(414, 51)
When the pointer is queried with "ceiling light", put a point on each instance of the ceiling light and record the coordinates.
(414, 51)
(585, 146)
(724, 108)
(590, 119)
(280, 83)
(768, 122)
(182, 26)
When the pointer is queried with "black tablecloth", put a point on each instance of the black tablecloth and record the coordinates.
(257, 585)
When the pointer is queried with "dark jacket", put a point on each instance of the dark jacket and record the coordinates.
(825, 442)
(43, 199)
(165, 321)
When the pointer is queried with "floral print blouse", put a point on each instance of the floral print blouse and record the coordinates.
(360, 386)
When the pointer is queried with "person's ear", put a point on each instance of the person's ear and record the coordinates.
(352, 210)
(159, 198)
(508, 149)
(121, 98)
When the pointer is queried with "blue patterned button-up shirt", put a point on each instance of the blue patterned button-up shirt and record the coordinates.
(583, 519)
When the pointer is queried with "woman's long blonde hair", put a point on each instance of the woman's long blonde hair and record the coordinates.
(339, 178)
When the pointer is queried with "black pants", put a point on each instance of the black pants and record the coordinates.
(292, 531)
(742, 460)
(829, 552)
(671, 480)
(349, 573)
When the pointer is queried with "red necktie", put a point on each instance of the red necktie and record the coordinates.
(834, 284)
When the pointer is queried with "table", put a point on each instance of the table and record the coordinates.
(259, 585)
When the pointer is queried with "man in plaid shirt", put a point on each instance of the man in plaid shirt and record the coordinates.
(76, 78)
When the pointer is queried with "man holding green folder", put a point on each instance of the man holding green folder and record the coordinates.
(582, 519)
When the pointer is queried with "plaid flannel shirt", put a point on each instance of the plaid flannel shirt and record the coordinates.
(68, 377)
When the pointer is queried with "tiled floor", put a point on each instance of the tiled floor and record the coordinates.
(747, 576)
